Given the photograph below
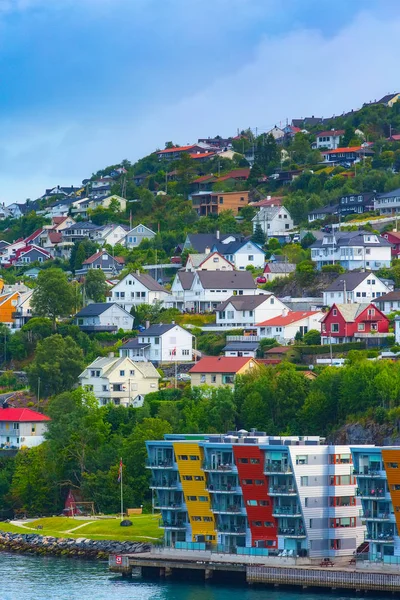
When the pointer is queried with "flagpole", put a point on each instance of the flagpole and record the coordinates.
(122, 493)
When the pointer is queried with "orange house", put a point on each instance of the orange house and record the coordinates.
(8, 307)
(205, 203)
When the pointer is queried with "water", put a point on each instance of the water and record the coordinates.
(37, 578)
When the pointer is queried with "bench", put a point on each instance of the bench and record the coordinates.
(326, 562)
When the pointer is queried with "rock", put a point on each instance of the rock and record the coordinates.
(126, 523)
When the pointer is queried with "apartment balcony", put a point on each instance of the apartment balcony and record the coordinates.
(275, 469)
(164, 485)
(282, 491)
(292, 533)
(371, 494)
(172, 525)
(288, 511)
(98, 328)
(369, 473)
(223, 468)
(228, 510)
(223, 489)
(160, 464)
(234, 530)
(380, 538)
(163, 506)
(377, 516)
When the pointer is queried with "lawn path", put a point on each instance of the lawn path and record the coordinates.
(79, 527)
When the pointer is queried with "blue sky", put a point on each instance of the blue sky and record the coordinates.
(86, 83)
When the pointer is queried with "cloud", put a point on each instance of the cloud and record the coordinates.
(281, 75)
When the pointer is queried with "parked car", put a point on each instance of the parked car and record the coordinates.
(296, 238)
(184, 377)
(261, 279)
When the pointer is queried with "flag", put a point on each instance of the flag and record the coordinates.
(173, 352)
(120, 471)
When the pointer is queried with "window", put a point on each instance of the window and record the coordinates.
(122, 373)
(191, 498)
(334, 312)
(301, 460)
(207, 519)
(254, 461)
(393, 465)
(256, 523)
(185, 352)
(221, 200)
(213, 379)
(202, 378)
(268, 524)
(194, 457)
(361, 327)
(259, 482)
(203, 499)
(196, 518)
(243, 461)
(156, 341)
(247, 482)
(183, 457)
(187, 477)
(335, 328)
(264, 502)
(251, 502)
(132, 373)
(395, 487)
(304, 481)
(198, 478)
(250, 257)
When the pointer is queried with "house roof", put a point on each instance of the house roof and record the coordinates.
(81, 225)
(226, 280)
(393, 194)
(204, 178)
(278, 350)
(186, 278)
(236, 174)
(389, 297)
(279, 267)
(198, 259)
(22, 415)
(291, 317)
(177, 149)
(157, 329)
(349, 281)
(94, 257)
(201, 155)
(324, 210)
(330, 133)
(350, 312)
(271, 201)
(201, 241)
(387, 98)
(55, 237)
(233, 247)
(33, 235)
(59, 220)
(133, 345)
(148, 282)
(348, 150)
(220, 364)
(241, 346)
(352, 238)
(244, 302)
(96, 308)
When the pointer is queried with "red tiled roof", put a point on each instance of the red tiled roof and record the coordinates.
(55, 237)
(59, 220)
(178, 149)
(326, 133)
(202, 155)
(203, 178)
(278, 350)
(274, 201)
(220, 364)
(292, 317)
(395, 137)
(22, 415)
(236, 173)
(345, 150)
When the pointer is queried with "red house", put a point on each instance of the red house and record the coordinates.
(352, 322)
(393, 237)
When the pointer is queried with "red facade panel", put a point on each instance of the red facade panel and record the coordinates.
(259, 505)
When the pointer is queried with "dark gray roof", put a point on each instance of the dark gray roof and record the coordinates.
(156, 330)
(241, 346)
(387, 98)
(348, 280)
(186, 279)
(148, 281)
(280, 267)
(324, 210)
(393, 194)
(390, 297)
(81, 225)
(226, 280)
(133, 345)
(244, 302)
(351, 238)
(97, 308)
(310, 121)
(232, 247)
(201, 241)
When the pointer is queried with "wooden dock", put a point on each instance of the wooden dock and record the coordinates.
(253, 570)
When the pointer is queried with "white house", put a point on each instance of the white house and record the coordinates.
(355, 287)
(328, 139)
(209, 288)
(241, 253)
(7, 253)
(241, 348)
(119, 381)
(352, 250)
(246, 311)
(285, 326)
(103, 316)
(388, 303)
(21, 427)
(135, 236)
(111, 234)
(208, 261)
(275, 221)
(137, 288)
(160, 343)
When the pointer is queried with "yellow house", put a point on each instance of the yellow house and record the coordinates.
(8, 307)
(389, 99)
(208, 261)
(220, 370)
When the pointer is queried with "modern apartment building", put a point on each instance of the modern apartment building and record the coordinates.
(289, 495)
(377, 471)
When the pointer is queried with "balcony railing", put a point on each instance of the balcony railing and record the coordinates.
(228, 488)
(171, 524)
(376, 516)
(220, 508)
(371, 493)
(165, 506)
(273, 468)
(222, 468)
(163, 483)
(368, 473)
(159, 464)
(282, 491)
(232, 529)
(381, 538)
(286, 512)
(291, 532)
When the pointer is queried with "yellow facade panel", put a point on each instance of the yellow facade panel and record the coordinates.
(391, 459)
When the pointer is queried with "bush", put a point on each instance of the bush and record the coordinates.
(346, 347)
(333, 269)
(312, 338)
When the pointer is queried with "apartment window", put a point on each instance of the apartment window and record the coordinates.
(243, 461)
(194, 457)
(395, 487)
(230, 314)
(254, 461)
(302, 460)
(191, 498)
(247, 482)
(222, 315)
(304, 481)
(198, 478)
(196, 518)
(221, 200)
(203, 499)
(268, 524)
(251, 502)
(182, 457)
(187, 477)
(259, 482)
(250, 313)
(393, 465)
(207, 519)
(264, 503)
(335, 544)
(358, 295)
(256, 523)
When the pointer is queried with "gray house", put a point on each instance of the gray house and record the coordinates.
(103, 316)
(136, 235)
(110, 265)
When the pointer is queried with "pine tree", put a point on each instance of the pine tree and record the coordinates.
(258, 236)
(80, 256)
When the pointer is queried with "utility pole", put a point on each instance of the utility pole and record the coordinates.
(38, 391)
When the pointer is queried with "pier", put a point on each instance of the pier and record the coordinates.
(257, 570)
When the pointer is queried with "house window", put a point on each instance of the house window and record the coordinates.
(302, 460)
(250, 257)
(156, 341)
(202, 378)
(185, 352)
(335, 328)
(334, 312)
(361, 327)
(371, 312)
(132, 373)
(122, 373)
(374, 326)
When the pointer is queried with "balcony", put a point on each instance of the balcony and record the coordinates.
(286, 511)
(366, 472)
(222, 468)
(292, 533)
(371, 494)
(172, 525)
(281, 490)
(163, 506)
(228, 510)
(376, 516)
(166, 463)
(223, 489)
(380, 538)
(163, 484)
(274, 469)
(98, 328)
(231, 530)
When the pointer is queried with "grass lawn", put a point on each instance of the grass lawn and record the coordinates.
(144, 528)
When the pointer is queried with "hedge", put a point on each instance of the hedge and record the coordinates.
(304, 350)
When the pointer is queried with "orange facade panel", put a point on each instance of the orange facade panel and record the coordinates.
(391, 460)
(189, 458)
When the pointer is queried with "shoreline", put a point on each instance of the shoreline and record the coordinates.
(42, 545)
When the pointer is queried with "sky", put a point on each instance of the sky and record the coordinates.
(87, 83)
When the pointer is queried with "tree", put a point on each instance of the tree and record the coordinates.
(258, 236)
(57, 363)
(53, 296)
(267, 153)
(95, 285)
(312, 337)
(79, 257)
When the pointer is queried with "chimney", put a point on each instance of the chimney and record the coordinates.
(217, 234)
(147, 324)
(111, 355)
(285, 312)
(207, 250)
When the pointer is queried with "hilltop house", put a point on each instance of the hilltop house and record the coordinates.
(160, 343)
(241, 253)
(354, 287)
(319, 214)
(213, 203)
(111, 234)
(79, 232)
(220, 370)
(21, 427)
(245, 311)
(30, 254)
(352, 322)
(103, 316)
(110, 265)
(119, 381)
(393, 237)
(356, 203)
(135, 236)
(286, 326)
(208, 261)
(388, 303)
(352, 250)
(328, 139)
(137, 288)
(347, 155)
(275, 270)
(388, 203)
